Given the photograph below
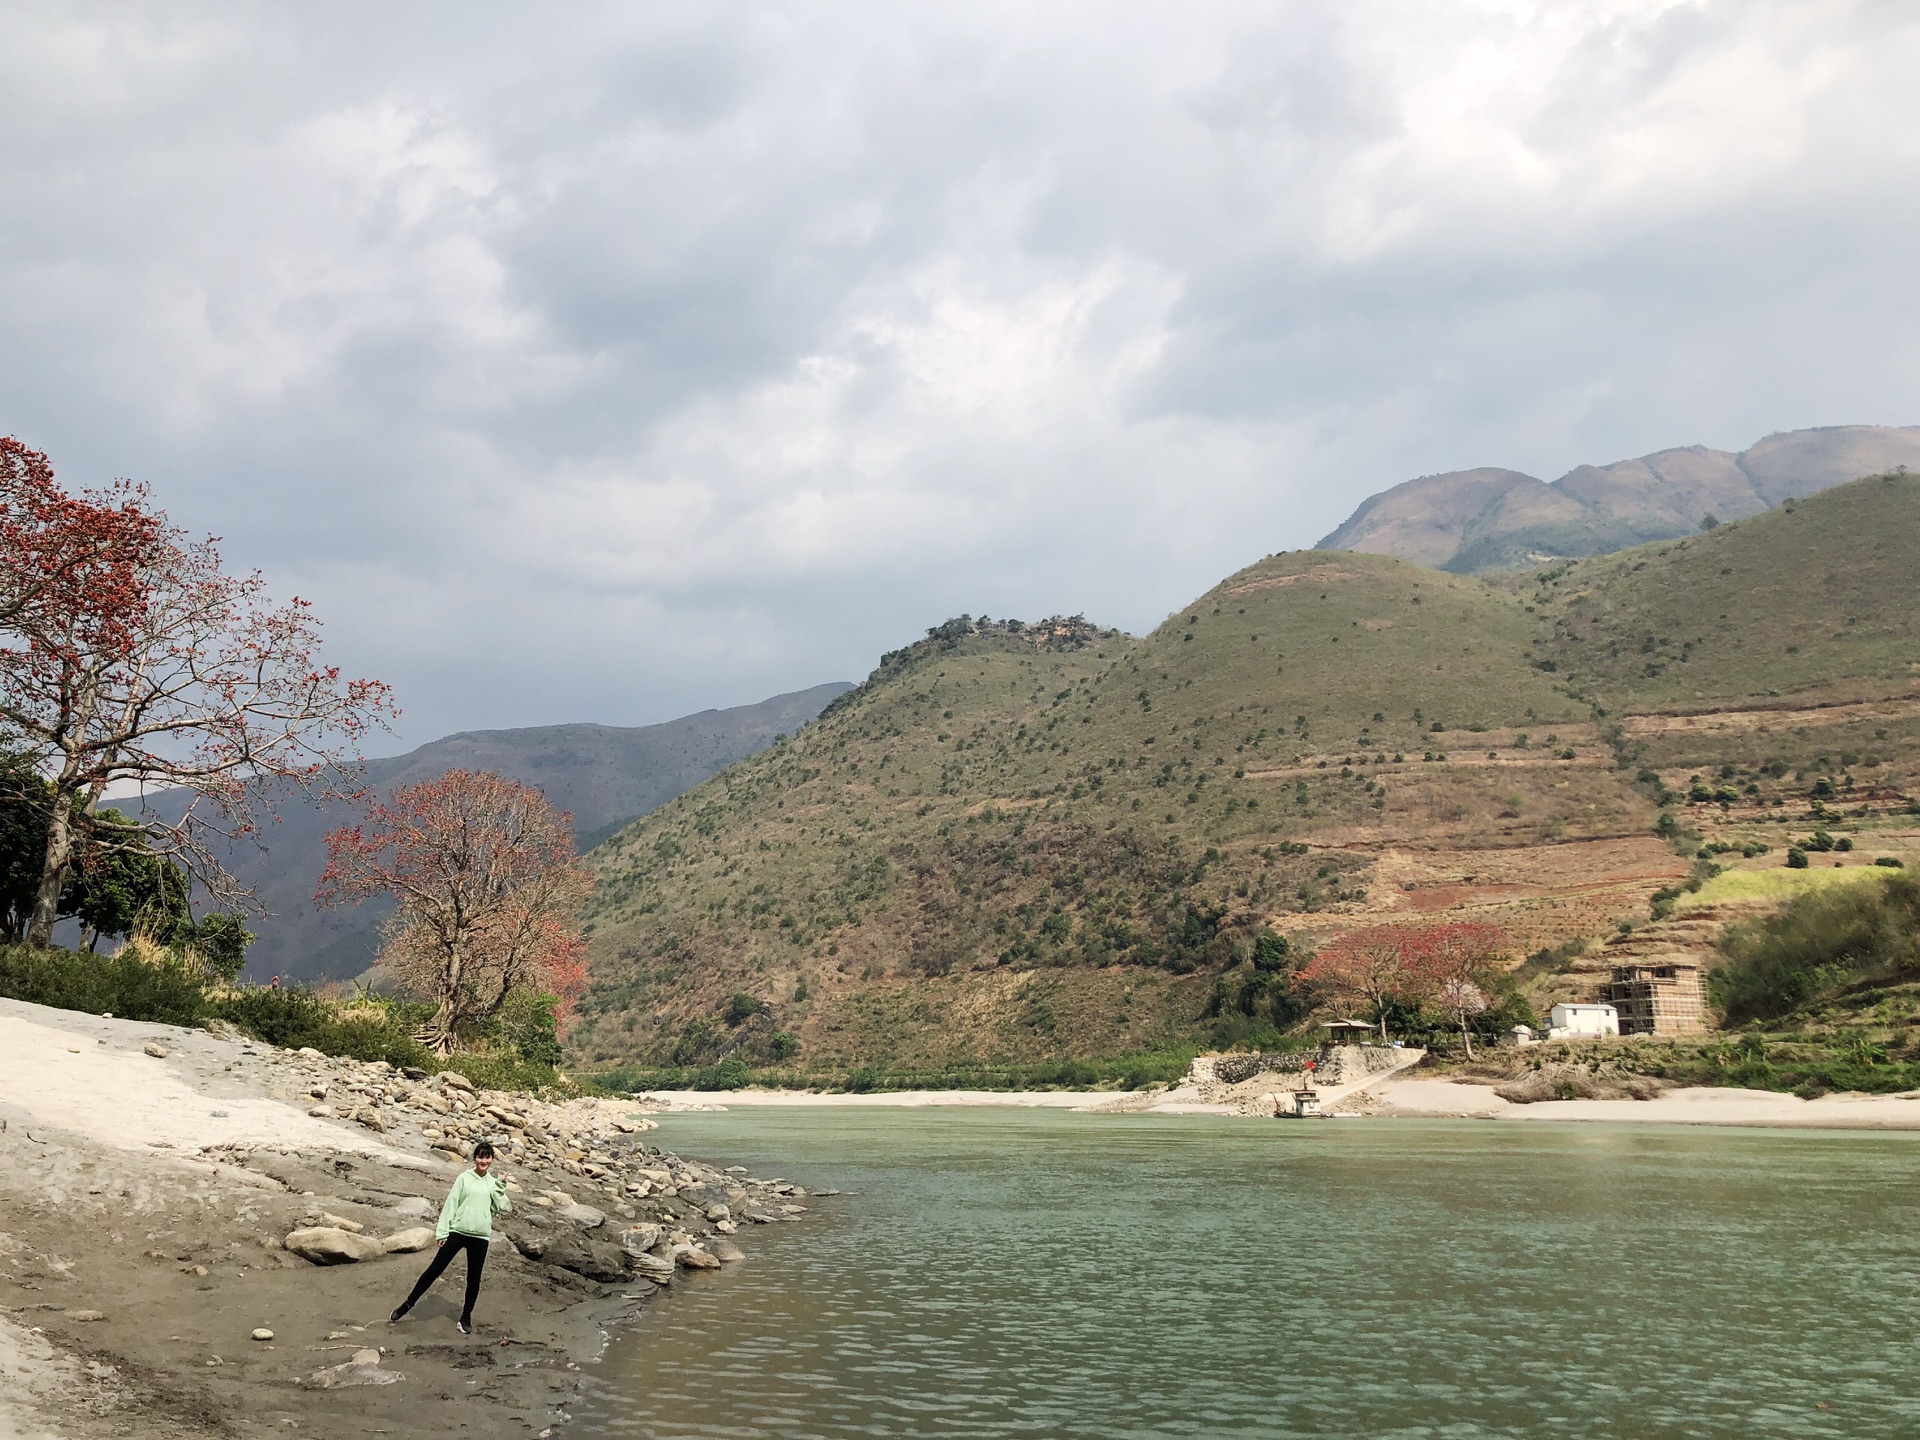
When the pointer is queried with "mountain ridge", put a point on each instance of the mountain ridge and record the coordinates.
(1481, 520)
(604, 775)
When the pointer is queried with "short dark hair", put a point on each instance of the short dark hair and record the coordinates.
(483, 1149)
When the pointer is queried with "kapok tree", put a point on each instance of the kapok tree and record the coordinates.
(489, 888)
(1371, 967)
(128, 654)
(1458, 962)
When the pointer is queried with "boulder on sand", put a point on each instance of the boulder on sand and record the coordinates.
(406, 1242)
(585, 1216)
(362, 1369)
(329, 1245)
(570, 1250)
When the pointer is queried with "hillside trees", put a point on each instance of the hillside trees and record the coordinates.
(1459, 962)
(489, 892)
(1371, 967)
(1383, 966)
(128, 654)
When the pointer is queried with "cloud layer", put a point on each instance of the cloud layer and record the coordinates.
(605, 364)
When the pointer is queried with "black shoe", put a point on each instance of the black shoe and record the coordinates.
(398, 1312)
(466, 1327)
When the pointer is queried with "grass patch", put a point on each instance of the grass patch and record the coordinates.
(1779, 884)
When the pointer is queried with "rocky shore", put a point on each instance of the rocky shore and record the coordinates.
(202, 1236)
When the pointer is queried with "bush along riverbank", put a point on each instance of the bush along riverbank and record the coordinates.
(1125, 1072)
(148, 983)
(204, 1232)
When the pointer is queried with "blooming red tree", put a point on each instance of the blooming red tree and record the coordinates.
(128, 654)
(1374, 967)
(486, 874)
(1458, 962)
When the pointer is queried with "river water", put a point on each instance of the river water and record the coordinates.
(1005, 1273)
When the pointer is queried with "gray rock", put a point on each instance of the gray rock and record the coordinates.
(651, 1267)
(691, 1257)
(328, 1218)
(329, 1245)
(585, 1216)
(408, 1241)
(719, 1212)
(638, 1239)
(415, 1206)
(456, 1080)
(570, 1250)
(726, 1251)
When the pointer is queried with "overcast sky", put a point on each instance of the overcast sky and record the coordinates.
(607, 364)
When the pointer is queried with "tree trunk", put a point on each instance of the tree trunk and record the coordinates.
(437, 1033)
(53, 871)
(1465, 1038)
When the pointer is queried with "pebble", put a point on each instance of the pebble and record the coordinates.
(85, 1315)
(155, 1049)
(263, 1333)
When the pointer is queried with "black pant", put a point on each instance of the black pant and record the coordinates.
(476, 1249)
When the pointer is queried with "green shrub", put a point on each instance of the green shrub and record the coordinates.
(371, 1030)
(742, 1008)
(1796, 858)
(167, 993)
(730, 1074)
(1817, 946)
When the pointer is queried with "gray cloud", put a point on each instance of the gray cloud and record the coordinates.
(603, 364)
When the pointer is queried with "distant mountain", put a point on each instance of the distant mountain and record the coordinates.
(1473, 521)
(605, 775)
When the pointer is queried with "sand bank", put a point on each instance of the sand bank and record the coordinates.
(145, 1198)
(1390, 1095)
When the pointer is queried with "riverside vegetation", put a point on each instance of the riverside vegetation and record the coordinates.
(1023, 846)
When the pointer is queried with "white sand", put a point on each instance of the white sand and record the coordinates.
(91, 1078)
(1699, 1105)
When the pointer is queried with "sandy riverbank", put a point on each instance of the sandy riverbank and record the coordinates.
(144, 1200)
(1399, 1096)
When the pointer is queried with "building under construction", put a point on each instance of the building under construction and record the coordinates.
(1657, 999)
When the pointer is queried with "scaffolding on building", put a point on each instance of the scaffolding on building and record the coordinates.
(1658, 999)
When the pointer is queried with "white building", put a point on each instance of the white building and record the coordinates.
(1572, 1022)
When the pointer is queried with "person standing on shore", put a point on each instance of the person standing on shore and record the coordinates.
(466, 1223)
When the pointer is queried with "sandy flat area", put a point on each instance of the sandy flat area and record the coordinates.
(1700, 1105)
(1395, 1096)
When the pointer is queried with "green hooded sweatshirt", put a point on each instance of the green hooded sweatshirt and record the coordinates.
(471, 1205)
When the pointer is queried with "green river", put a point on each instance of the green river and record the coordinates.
(1018, 1273)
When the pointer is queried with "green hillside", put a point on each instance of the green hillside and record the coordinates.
(1014, 843)
(1813, 596)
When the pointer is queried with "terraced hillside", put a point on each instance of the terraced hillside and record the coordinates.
(1020, 843)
